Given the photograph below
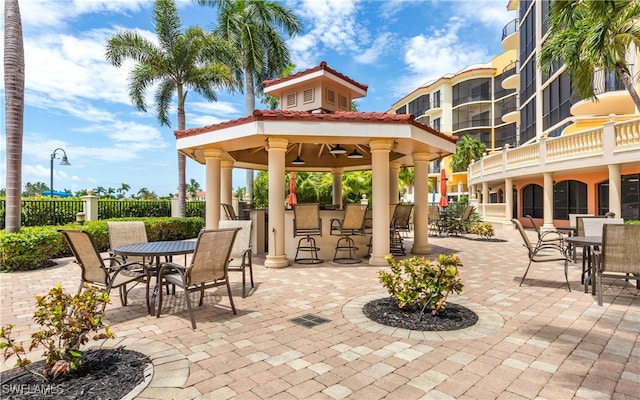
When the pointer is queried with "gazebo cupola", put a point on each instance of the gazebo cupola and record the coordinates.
(317, 90)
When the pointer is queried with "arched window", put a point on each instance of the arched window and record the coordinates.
(532, 203)
(569, 197)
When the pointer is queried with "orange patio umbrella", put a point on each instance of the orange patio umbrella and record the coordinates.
(443, 189)
(293, 198)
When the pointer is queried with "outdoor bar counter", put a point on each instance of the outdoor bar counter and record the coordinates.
(326, 242)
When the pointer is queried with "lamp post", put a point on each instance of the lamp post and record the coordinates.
(64, 161)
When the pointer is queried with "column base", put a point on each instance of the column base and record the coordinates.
(378, 259)
(421, 249)
(276, 261)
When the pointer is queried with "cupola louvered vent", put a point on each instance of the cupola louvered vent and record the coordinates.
(307, 96)
(343, 102)
(331, 96)
(291, 100)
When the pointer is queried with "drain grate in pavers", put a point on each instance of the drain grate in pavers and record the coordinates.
(309, 320)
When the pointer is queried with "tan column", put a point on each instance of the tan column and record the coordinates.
(508, 199)
(380, 149)
(226, 184)
(394, 187)
(336, 173)
(485, 192)
(213, 159)
(547, 197)
(420, 208)
(615, 190)
(276, 258)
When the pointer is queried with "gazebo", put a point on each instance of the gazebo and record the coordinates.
(315, 130)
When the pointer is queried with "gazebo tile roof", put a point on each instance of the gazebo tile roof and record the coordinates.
(304, 116)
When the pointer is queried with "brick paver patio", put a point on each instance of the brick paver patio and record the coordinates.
(535, 341)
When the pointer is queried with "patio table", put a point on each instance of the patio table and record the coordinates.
(155, 250)
(588, 243)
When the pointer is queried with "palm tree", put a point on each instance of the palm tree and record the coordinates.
(14, 111)
(193, 188)
(591, 35)
(255, 28)
(468, 149)
(182, 60)
(122, 190)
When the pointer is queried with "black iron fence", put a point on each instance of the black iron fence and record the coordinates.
(39, 212)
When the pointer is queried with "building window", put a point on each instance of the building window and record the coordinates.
(471, 91)
(532, 201)
(291, 100)
(436, 124)
(419, 106)
(527, 122)
(331, 96)
(527, 34)
(630, 189)
(402, 110)
(307, 96)
(569, 197)
(556, 101)
(436, 100)
(505, 135)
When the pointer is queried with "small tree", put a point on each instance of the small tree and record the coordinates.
(66, 324)
(417, 283)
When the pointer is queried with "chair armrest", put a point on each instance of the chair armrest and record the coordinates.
(558, 235)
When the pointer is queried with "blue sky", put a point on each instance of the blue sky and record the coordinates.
(75, 100)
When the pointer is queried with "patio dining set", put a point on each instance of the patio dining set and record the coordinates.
(133, 260)
(610, 249)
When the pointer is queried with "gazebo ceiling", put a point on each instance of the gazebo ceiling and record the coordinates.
(311, 136)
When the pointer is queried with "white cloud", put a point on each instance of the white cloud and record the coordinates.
(431, 57)
(331, 24)
(373, 53)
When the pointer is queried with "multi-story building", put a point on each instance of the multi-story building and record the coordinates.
(550, 153)
(471, 102)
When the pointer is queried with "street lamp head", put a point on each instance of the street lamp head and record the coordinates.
(64, 161)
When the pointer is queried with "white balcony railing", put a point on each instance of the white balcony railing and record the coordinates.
(612, 143)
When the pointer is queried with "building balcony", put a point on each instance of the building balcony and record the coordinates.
(510, 111)
(511, 77)
(613, 143)
(511, 35)
(613, 98)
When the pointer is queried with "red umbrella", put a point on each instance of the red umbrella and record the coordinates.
(293, 199)
(443, 189)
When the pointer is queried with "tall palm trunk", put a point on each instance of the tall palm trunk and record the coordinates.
(628, 84)
(14, 110)
(182, 159)
(249, 106)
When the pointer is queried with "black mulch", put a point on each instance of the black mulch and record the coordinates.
(385, 311)
(105, 374)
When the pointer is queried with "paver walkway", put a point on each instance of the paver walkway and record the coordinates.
(535, 341)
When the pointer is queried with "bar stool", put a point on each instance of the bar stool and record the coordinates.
(352, 224)
(307, 223)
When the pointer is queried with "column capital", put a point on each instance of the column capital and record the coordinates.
(212, 153)
(339, 170)
(226, 164)
(277, 143)
(420, 157)
(394, 165)
(381, 144)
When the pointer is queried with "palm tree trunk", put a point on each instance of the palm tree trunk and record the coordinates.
(249, 106)
(182, 159)
(626, 80)
(14, 111)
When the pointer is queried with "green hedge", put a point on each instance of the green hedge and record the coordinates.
(34, 247)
